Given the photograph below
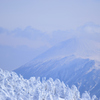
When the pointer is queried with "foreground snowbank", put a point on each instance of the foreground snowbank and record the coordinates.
(13, 87)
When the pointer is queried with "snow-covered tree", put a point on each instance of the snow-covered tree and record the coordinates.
(14, 87)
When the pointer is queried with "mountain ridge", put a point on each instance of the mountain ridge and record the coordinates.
(75, 58)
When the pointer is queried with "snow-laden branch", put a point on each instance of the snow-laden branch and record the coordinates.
(14, 87)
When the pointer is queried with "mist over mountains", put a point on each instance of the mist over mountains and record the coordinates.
(19, 46)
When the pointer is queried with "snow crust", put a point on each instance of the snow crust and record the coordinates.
(14, 87)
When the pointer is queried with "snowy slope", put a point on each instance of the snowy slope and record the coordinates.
(71, 70)
(13, 87)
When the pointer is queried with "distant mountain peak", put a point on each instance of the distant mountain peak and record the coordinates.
(79, 47)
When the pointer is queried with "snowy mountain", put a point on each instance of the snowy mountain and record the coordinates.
(74, 61)
(14, 87)
(78, 47)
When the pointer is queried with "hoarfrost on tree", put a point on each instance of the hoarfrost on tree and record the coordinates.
(14, 87)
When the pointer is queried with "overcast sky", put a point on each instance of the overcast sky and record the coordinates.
(29, 27)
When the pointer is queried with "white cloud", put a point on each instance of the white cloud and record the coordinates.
(90, 31)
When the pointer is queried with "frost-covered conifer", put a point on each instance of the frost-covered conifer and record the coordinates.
(14, 87)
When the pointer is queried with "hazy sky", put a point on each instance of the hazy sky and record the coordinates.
(48, 15)
(29, 27)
